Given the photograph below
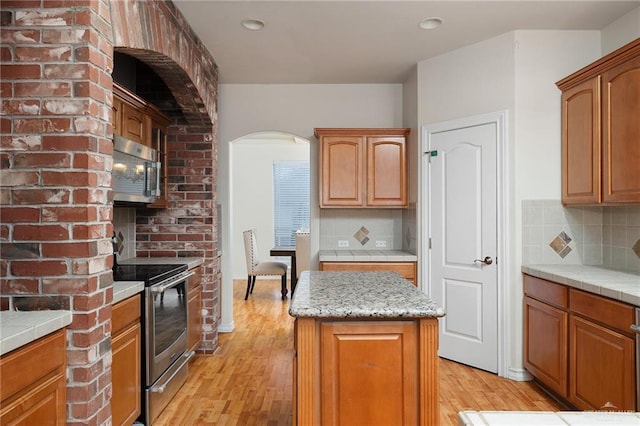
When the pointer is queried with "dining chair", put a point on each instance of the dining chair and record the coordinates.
(303, 253)
(255, 267)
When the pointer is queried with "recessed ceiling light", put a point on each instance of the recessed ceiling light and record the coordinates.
(430, 23)
(253, 24)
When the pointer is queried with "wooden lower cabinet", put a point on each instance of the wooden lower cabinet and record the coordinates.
(546, 349)
(580, 346)
(194, 310)
(126, 350)
(366, 372)
(406, 269)
(601, 367)
(33, 383)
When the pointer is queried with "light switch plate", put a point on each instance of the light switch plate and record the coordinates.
(343, 243)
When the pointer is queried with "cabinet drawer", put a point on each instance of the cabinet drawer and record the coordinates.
(124, 313)
(27, 365)
(546, 291)
(603, 310)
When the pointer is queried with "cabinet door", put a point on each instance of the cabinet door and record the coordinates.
(117, 116)
(133, 124)
(581, 168)
(546, 344)
(369, 373)
(342, 171)
(621, 132)
(601, 367)
(194, 310)
(386, 172)
(43, 404)
(125, 375)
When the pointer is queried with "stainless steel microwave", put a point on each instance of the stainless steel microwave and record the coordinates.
(136, 172)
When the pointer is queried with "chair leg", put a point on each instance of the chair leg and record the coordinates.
(284, 286)
(246, 296)
(253, 283)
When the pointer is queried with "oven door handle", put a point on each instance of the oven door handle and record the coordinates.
(161, 388)
(635, 328)
(161, 288)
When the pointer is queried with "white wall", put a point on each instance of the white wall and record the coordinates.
(515, 72)
(621, 31)
(252, 192)
(295, 109)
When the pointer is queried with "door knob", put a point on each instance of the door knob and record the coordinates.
(487, 260)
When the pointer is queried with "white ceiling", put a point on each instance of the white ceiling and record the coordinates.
(322, 41)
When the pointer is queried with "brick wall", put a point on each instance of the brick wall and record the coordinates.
(55, 162)
(55, 181)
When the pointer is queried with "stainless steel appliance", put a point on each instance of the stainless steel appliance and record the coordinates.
(636, 327)
(165, 358)
(136, 172)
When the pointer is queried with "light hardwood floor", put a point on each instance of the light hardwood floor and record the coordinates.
(248, 380)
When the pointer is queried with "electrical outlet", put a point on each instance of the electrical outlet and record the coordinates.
(381, 243)
(343, 243)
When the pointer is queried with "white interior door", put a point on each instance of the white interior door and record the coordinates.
(462, 211)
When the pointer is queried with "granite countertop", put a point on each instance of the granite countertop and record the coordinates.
(366, 256)
(360, 295)
(124, 289)
(18, 328)
(547, 418)
(618, 285)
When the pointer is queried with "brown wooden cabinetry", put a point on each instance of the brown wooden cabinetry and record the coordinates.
(33, 383)
(579, 345)
(138, 120)
(194, 309)
(406, 269)
(363, 167)
(126, 350)
(366, 372)
(601, 131)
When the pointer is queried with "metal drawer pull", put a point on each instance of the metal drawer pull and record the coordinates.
(160, 389)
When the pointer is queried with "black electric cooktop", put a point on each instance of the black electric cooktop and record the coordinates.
(150, 274)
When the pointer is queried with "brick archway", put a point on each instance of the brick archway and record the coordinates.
(156, 34)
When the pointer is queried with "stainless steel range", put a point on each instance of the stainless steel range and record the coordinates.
(165, 358)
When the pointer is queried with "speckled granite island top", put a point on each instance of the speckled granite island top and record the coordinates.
(360, 295)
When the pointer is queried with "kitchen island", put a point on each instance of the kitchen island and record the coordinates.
(365, 350)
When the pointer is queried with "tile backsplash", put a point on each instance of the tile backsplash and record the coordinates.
(124, 225)
(555, 234)
(362, 228)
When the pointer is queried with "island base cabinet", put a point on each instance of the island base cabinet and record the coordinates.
(33, 379)
(366, 372)
(601, 367)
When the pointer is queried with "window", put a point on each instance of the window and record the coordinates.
(290, 200)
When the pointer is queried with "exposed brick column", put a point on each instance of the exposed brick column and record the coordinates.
(55, 180)
(187, 228)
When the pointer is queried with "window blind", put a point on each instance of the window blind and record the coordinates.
(291, 200)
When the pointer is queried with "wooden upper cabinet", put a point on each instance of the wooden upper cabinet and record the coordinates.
(133, 124)
(621, 132)
(386, 171)
(601, 130)
(363, 167)
(581, 143)
(342, 171)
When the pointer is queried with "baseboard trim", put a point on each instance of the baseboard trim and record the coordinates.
(519, 375)
(226, 328)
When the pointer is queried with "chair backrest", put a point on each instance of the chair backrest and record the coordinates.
(250, 250)
(303, 252)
